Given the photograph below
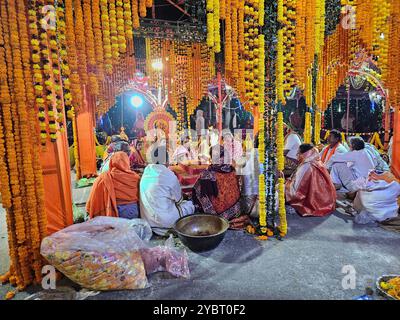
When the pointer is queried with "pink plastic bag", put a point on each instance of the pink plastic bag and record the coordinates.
(166, 259)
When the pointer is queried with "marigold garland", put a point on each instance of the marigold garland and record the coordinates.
(317, 128)
(98, 34)
(307, 128)
(135, 14)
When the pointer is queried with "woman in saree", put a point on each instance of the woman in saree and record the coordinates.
(136, 158)
(310, 190)
(115, 193)
(217, 189)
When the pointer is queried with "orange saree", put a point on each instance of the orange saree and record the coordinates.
(310, 190)
(117, 186)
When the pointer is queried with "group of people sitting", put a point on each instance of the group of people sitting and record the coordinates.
(229, 185)
(355, 175)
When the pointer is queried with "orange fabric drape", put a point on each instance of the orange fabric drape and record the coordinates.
(85, 124)
(57, 184)
(119, 185)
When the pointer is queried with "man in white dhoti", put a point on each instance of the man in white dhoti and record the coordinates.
(182, 153)
(377, 201)
(161, 201)
(348, 167)
(334, 147)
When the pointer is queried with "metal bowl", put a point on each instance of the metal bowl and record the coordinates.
(201, 232)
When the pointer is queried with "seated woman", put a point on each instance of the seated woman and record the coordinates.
(310, 190)
(161, 201)
(217, 189)
(377, 201)
(115, 193)
(136, 158)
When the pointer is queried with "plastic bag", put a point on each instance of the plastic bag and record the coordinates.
(166, 259)
(100, 254)
(141, 227)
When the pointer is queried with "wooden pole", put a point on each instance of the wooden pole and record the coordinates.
(348, 110)
(387, 124)
(219, 104)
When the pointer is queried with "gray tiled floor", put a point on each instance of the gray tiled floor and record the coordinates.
(306, 265)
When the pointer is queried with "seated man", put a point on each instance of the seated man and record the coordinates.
(377, 201)
(115, 193)
(117, 147)
(380, 164)
(349, 167)
(161, 201)
(334, 147)
(310, 190)
(182, 153)
(292, 143)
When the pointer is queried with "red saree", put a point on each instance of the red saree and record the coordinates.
(310, 191)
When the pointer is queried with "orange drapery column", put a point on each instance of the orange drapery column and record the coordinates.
(256, 119)
(396, 144)
(57, 184)
(85, 123)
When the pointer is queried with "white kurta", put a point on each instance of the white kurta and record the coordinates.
(377, 202)
(360, 162)
(380, 164)
(292, 144)
(251, 172)
(161, 202)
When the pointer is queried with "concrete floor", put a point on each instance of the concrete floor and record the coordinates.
(306, 265)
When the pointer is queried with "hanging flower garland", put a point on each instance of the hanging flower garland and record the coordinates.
(228, 38)
(213, 25)
(307, 128)
(142, 8)
(112, 14)
(121, 26)
(135, 14)
(75, 81)
(37, 70)
(97, 32)
(317, 128)
(235, 43)
(128, 20)
(107, 46)
(21, 221)
(49, 51)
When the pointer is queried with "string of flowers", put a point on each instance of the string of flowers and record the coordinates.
(307, 127)
(112, 15)
(217, 35)
(98, 34)
(142, 8)
(317, 128)
(121, 26)
(27, 141)
(135, 14)
(75, 80)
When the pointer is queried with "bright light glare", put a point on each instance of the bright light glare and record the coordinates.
(157, 65)
(137, 101)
